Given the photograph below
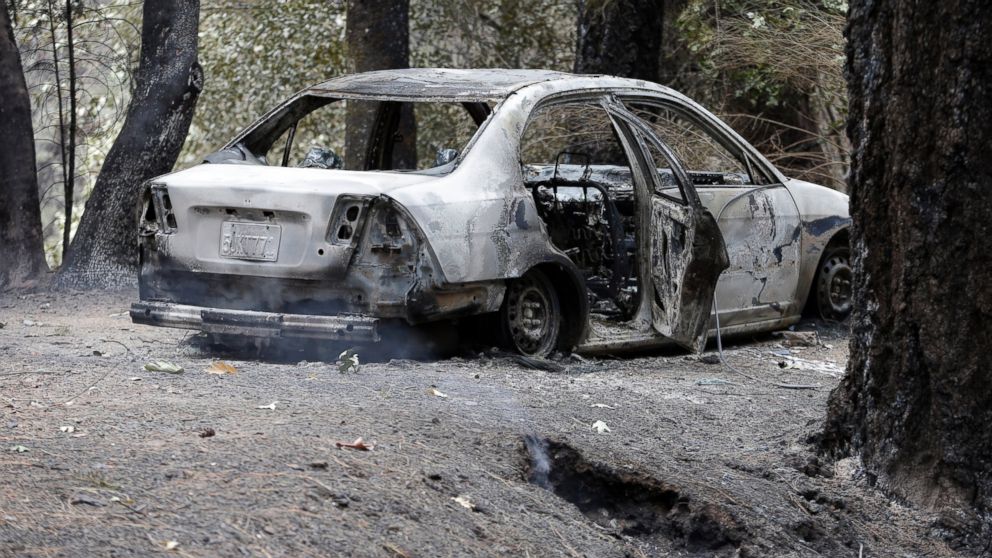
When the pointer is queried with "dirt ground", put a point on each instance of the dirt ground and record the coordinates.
(473, 456)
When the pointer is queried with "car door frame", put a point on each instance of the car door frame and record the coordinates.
(684, 316)
(755, 163)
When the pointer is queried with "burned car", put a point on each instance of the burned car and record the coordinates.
(567, 212)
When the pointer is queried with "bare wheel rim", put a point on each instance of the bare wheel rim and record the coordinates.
(834, 286)
(533, 317)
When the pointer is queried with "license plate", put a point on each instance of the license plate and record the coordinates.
(250, 241)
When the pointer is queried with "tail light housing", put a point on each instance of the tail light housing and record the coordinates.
(161, 203)
(346, 220)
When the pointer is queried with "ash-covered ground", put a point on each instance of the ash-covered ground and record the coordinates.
(648, 455)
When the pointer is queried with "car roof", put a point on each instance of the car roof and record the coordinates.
(436, 83)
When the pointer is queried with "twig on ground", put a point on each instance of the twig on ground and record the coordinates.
(567, 546)
(88, 388)
(126, 348)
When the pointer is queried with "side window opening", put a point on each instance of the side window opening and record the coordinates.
(666, 184)
(707, 160)
(575, 166)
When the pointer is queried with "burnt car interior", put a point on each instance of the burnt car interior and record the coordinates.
(575, 167)
(355, 134)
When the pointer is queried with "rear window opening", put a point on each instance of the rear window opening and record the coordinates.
(353, 134)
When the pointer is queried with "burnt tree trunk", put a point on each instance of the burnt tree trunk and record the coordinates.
(622, 37)
(168, 81)
(378, 38)
(916, 403)
(22, 256)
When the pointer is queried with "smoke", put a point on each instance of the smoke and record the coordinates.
(540, 460)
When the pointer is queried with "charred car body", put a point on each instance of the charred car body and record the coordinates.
(573, 212)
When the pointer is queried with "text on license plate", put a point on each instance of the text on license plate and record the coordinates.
(250, 241)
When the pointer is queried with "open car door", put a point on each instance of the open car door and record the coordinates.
(687, 251)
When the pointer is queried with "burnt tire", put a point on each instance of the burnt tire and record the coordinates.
(530, 318)
(833, 283)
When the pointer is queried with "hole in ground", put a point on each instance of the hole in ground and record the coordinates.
(633, 503)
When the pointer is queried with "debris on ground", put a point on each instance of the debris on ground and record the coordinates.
(600, 406)
(348, 361)
(164, 366)
(829, 368)
(67, 429)
(86, 500)
(207, 433)
(19, 449)
(32, 323)
(601, 427)
(359, 444)
(713, 382)
(799, 338)
(436, 393)
(535, 363)
(170, 545)
(711, 358)
(270, 406)
(464, 501)
(220, 368)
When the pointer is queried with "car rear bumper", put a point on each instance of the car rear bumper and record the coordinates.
(347, 327)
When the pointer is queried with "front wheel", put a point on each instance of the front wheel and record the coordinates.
(833, 284)
(530, 318)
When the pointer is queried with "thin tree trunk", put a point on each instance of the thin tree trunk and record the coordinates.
(60, 99)
(378, 38)
(22, 256)
(916, 403)
(69, 186)
(168, 82)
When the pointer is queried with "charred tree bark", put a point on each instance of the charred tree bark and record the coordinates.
(378, 38)
(168, 82)
(916, 403)
(22, 255)
(622, 37)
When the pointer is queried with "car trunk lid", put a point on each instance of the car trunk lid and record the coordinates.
(267, 221)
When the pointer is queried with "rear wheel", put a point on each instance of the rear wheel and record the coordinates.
(530, 318)
(833, 284)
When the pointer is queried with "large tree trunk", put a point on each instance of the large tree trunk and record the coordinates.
(22, 256)
(378, 38)
(916, 403)
(168, 82)
(622, 37)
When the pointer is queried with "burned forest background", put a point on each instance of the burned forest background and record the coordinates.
(772, 68)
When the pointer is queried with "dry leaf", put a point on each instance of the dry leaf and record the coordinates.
(348, 361)
(434, 391)
(220, 368)
(358, 444)
(171, 545)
